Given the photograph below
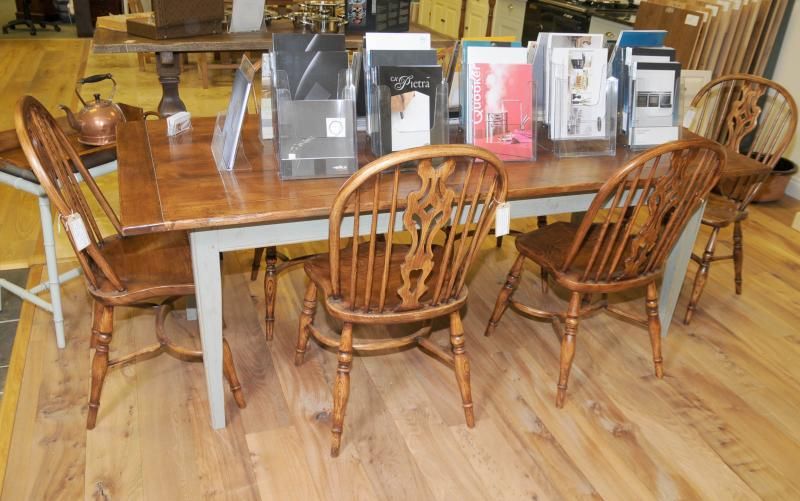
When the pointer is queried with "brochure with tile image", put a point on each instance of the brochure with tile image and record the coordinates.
(407, 115)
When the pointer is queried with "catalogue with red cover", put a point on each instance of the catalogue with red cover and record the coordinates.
(500, 109)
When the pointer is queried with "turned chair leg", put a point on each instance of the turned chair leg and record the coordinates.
(271, 289)
(738, 255)
(97, 314)
(701, 276)
(257, 255)
(568, 347)
(341, 387)
(654, 327)
(461, 363)
(100, 362)
(306, 319)
(512, 281)
(229, 370)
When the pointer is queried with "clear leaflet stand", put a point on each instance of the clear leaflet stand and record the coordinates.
(315, 138)
(566, 136)
(226, 144)
(384, 140)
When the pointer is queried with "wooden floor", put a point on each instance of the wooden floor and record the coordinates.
(723, 424)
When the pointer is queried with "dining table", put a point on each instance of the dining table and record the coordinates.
(172, 183)
(168, 64)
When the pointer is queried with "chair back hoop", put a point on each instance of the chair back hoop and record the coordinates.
(56, 165)
(750, 115)
(443, 196)
(641, 211)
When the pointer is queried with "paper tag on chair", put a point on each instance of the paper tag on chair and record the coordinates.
(688, 118)
(76, 228)
(502, 219)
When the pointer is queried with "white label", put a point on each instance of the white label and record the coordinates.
(291, 156)
(334, 127)
(692, 19)
(76, 228)
(688, 118)
(502, 219)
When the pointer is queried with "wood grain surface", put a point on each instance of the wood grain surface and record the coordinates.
(192, 193)
(723, 423)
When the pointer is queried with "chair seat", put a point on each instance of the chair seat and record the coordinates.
(721, 212)
(319, 271)
(548, 247)
(150, 266)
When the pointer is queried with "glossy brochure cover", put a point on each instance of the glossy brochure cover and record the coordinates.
(407, 120)
(501, 109)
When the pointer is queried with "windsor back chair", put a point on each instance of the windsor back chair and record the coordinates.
(621, 243)
(446, 208)
(142, 271)
(752, 116)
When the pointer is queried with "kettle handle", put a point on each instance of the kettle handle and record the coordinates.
(95, 79)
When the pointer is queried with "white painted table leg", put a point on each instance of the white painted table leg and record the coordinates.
(208, 291)
(52, 269)
(675, 270)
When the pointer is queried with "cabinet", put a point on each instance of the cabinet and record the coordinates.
(509, 16)
(477, 16)
(441, 16)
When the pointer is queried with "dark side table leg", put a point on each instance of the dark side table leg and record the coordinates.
(169, 71)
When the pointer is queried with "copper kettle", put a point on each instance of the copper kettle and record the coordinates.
(97, 122)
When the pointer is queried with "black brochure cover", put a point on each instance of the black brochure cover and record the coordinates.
(312, 75)
(409, 110)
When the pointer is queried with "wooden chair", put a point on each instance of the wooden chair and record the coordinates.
(376, 280)
(752, 116)
(142, 271)
(621, 243)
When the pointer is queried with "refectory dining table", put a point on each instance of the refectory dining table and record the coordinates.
(172, 183)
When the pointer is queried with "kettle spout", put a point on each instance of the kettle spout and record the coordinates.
(73, 122)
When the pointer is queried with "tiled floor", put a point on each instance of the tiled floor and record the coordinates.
(9, 317)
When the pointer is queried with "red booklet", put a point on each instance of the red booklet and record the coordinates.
(500, 109)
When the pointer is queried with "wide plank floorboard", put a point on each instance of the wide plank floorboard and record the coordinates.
(722, 424)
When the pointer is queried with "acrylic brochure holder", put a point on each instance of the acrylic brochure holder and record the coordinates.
(226, 143)
(384, 140)
(502, 114)
(315, 138)
(572, 134)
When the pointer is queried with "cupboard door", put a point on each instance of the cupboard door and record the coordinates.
(424, 18)
(445, 17)
(476, 17)
(509, 16)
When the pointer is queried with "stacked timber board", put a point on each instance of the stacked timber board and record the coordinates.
(722, 36)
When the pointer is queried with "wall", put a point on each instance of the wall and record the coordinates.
(787, 73)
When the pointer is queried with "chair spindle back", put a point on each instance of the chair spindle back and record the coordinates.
(750, 115)
(639, 214)
(56, 165)
(446, 203)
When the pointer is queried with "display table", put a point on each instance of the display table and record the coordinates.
(167, 63)
(175, 185)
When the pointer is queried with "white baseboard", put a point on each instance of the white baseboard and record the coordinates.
(793, 189)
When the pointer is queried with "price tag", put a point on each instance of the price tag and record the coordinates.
(688, 118)
(502, 219)
(77, 230)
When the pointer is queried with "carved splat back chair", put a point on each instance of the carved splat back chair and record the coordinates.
(621, 243)
(752, 116)
(446, 206)
(141, 271)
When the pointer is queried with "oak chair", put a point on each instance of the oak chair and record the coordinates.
(621, 243)
(377, 280)
(752, 116)
(142, 271)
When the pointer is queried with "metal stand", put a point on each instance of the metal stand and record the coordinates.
(54, 280)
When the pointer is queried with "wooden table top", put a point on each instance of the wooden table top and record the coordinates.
(174, 184)
(109, 41)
